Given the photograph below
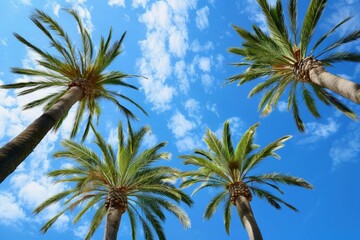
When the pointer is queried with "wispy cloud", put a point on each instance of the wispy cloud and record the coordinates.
(166, 38)
(139, 3)
(4, 41)
(282, 106)
(202, 20)
(319, 131)
(346, 148)
(118, 3)
(11, 213)
(179, 125)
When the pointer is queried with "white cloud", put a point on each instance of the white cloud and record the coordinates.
(193, 108)
(81, 230)
(3, 41)
(205, 64)
(26, 2)
(158, 17)
(202, 20)
(251, 9)
(113, 137)
(282, 106)
(178, 41)
(166, 37)
(196, 47)
(56, 9)
(189, 143)
(119, 3)
(212, 108)
(10, 211)
(138, 3)
(219, 60)
(150, 140)
(317, 131)
(180, 73)
(179, 125)
(346, 148)
(207, 81)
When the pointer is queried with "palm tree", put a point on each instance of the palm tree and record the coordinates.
(284, 56)
(118, 182)
(227, 168)
(79, 75)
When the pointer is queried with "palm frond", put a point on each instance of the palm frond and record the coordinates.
(326, 35)
(267, 151)
(312, 16)
(282, 178)
(341, 57)
(350, 37)
(272, 200)
(214, 203)
(292, 8)
(95, 221)
(227, 215)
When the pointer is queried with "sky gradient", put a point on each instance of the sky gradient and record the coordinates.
(181, 49)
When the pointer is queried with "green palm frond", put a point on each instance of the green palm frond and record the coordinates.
(292, 8)
(326, 35)
(275, 58)
(67, 62)
(272, 200)
(235, 168)
(214, 203)
(341, 57)
(267, 151)
(350, 37)
(312, 16)
(283, 179)
(227, 215)
(148, 189)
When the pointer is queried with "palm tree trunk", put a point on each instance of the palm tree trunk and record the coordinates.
(339, 85)
(113, 218)
(247, 218)
(14, 152)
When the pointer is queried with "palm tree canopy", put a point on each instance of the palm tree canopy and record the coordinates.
(280, 53)
(67, 66)
(225, 165)
(148, 189)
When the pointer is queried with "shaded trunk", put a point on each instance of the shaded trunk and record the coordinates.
(339, 85)
(247, 218)
(113, 218)
(14, 152)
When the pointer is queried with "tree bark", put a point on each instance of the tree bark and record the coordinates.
(247, 218)
(339, 85)
(14, 152)
(113, 218)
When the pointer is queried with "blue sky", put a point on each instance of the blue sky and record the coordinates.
(180, 46)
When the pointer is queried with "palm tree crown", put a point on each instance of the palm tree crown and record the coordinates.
(69, 67)
(284, 56)
(229, 168)
(80, 76)
(124, 179)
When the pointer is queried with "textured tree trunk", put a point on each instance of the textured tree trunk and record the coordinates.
(113, 218)
(339, 85)
(14, 152)
(247, 218)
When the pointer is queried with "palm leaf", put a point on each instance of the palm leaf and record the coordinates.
(214, 203)
(312, 16)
